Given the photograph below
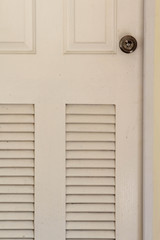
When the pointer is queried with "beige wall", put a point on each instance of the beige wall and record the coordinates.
(156, 223)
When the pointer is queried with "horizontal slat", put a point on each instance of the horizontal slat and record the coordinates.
(16, 145)
(16, 189)
(16, 180)
(90, 225)
(90, 207)
(16, 163)
(90, 109)
(25, 238)
(90, 234)
(90, 181)
(16, 225)
(90, 199)
(90, 216)
(16, 207)
(16, 154)
(88, 163)
(16, 108)
(16, 171)
(90, 155)
(90, 146)
(90, 137)
(16, 127)
(17, 118)
(90, 127)
(16, 216)
(17, 198)
(16, 233)
(88, 239)
(90, 119)
(90, 190)
(91, 172)
(16, 136)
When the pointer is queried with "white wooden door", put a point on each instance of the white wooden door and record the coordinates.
(70, 120)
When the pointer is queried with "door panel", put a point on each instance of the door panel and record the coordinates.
(88, 117)
(90, 26)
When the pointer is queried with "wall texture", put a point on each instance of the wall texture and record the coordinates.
(156, 223)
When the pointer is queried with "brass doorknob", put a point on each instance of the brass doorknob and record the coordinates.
(128, 44)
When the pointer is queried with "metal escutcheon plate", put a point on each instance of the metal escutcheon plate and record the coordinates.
(128, 44)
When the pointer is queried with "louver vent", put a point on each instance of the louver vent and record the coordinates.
(16, 172)
(90, 172)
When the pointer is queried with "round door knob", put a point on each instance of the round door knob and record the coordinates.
(128, 44)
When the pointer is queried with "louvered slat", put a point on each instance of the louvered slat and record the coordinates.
(21, 127)
(90, 172)
(89, 145)
(16, 162)
(17, 118)
(90, 217)
(70, 118)
(11, 145)
(90, 164)
(91, 225)
(17, 171)
(90, 198)
(92, 181)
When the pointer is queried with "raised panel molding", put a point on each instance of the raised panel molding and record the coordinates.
(89, 26)
(17, 26)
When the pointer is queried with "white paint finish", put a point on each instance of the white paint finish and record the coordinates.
(91, 225)
(13, 136)
(90, 21)
(102, 181)
(90, 26)
(90, 199)
(90, 119)
(89, 234)
(16, 163)
(16, 127)
(17, 154)
(16, 224)
(20, 239)
(17, 145)
(19, 118)
(90, 207)
(91, 154)
(90, 146)
(88, 163)
(90, 137)
(16, 234)
(16, 173)
(148, 121)
(12, 21)
(17, 26)
(12, 207)
(50, 80)
(10, 180)
(16, 198)
(11, 216)
(16, 109)
(98, 109)
(89, 172)
(90, 216)
(90, 128)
